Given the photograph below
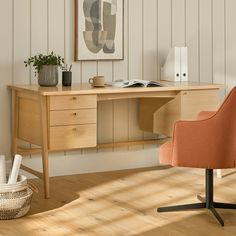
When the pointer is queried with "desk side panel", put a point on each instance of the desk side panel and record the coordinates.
(192, 102)
(29, 120)
(158, 115)
(185, 106)
(165, 117)
(147, 110)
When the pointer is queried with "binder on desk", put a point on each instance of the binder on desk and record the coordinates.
(171, 69)
(184, 64)
(176, 65)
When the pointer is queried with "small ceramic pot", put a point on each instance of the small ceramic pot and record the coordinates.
(48, 75)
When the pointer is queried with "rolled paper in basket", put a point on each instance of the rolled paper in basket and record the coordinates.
(2, 170)
(15, 169)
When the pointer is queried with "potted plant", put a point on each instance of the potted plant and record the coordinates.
(66, 75)
(46, 66)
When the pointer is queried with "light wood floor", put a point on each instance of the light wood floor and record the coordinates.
(124, 203)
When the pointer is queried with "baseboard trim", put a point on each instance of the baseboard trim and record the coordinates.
(80, 162)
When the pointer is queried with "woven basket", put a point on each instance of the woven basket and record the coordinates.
(15, 199)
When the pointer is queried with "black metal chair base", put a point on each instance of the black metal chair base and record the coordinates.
(200, 206)
(207, 202)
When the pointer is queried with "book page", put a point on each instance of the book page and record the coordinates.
(133, 83)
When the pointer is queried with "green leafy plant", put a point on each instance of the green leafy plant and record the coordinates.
(40, 60)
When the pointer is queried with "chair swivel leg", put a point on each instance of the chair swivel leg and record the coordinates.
(209, 196)
(182, 207)
(224, 205)
(207, 202)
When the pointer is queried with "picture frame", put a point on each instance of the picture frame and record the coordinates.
(99, 30)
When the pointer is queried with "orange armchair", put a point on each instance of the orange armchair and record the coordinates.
(209, 143)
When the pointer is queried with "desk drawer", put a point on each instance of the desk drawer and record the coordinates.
(72, 137)
(72, 102)
(73, 117)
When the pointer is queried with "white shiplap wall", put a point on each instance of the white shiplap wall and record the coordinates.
(151, 27)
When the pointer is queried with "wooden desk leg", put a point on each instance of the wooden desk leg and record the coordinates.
(46, 174)
(14, 123)
(43, 109)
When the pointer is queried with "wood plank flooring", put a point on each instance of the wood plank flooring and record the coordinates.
(124, 203)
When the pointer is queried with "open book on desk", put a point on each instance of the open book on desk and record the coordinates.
(134, 83)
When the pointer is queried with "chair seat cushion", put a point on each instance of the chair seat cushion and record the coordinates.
(165, 154)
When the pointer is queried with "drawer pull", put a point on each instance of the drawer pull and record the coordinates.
(74, 129)
(75, 114)
(74, 98)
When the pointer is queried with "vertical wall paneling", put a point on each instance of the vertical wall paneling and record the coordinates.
(21, 41)
(120, 67)
(205, 28)
(39, 26)
(230, 44)
(134, 132)
(135, 62)
(120, 107)
(192, 36)
(149, 44)
(56, 28)
(121, 124)
(218, 42)
(105, 109)
(178, 23)
(150, 40)
(135, 39)
(69, 40)
(89, 69)
(6, 68)
(164, 32)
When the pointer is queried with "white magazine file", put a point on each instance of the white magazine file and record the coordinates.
(176, 65)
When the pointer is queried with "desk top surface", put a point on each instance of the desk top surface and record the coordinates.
(88, 89)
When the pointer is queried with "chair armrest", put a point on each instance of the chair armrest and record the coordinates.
(205, 115)
(198, 143)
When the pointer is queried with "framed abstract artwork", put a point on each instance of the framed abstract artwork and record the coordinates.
(99, 29)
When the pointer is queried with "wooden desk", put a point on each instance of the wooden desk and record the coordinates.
(65, 118)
